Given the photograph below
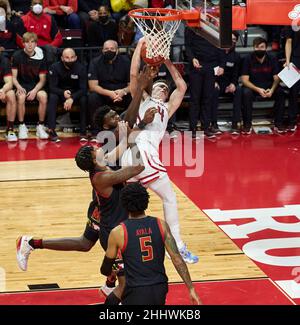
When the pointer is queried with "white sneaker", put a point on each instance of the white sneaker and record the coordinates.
(23, 251)
(188, 256)
(106, 290)
(11, 136)
(41, 133)
(23, 132)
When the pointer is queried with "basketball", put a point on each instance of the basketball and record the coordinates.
(156, 61)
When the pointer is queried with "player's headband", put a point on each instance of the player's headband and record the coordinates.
(160, 83)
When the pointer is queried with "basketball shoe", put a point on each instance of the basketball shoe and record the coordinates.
(188, 256)
(23, 251)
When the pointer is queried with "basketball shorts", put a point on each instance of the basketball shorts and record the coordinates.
(154, 169)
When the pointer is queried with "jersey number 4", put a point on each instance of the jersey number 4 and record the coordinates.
(146, 247)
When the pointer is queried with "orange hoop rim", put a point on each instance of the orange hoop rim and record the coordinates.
(174, 14)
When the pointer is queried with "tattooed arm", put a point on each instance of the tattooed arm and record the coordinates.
(179, 263)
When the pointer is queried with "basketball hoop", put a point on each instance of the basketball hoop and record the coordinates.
(158, 26)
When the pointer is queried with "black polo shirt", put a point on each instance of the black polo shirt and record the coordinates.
(62, 78)
(5, 69)
(260, 74)
(110, 76)
(28, 68)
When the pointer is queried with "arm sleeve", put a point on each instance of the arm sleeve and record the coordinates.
(236, 70)
(73, 4)
(275, 66)
(53, 7)
(53, 82)
(222, 58)
(55, 34)
(82, 85)
(188, 43)
(90, 233)
(7, 67)
(92, 74)
(246, 67)
(15, 61)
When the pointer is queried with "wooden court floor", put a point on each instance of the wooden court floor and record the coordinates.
(49, 199)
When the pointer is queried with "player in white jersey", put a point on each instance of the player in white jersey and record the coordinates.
(155, 175)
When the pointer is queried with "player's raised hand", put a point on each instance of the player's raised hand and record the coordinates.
(149, 115)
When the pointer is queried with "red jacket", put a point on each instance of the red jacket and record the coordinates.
(45, 27)
(55, 5)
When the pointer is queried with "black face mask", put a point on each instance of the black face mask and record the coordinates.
(109, 55)
(103, 19)
(260, 53)
(69, 64)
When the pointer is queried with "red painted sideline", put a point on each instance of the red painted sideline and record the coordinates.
(238, 292)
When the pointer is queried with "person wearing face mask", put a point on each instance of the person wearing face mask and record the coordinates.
(10, 32)
(102, 30)
(260, 80)
(108, 79)
(227, 85)
(43, 25)
(67, 85)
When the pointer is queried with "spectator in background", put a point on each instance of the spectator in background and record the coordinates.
(227, 85)
(292, 54)
(8, 97)
(10, 32)
(67, 85)
(203, 58)
(108, 79)
(103, 29)
(64, 11)
(126, 31)
(43, 25)
(88, 12)
(260, 80)
(20, 7)
(29, 78)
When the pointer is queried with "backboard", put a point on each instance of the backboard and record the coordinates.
(214, 21)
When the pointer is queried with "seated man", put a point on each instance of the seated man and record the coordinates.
(102, 29)
(7, 96)
(29, 78)
(67, 85)
(108, 79)
(259, 77)
(42, 24)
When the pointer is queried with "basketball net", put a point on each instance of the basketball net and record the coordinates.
(158, 27)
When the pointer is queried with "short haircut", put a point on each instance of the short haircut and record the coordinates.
(134, 197)
(40, 2)
(236, 34)
(259, 40)
(28, 36)
(99, 116)
(84, 158)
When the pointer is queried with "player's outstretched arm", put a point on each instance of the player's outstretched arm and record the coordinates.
(181, 87)
(179, 263)
(135, 67)
(144, 78)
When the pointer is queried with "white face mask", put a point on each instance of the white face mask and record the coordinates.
(37, 9)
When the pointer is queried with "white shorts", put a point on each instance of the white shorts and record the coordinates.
(154, 169)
